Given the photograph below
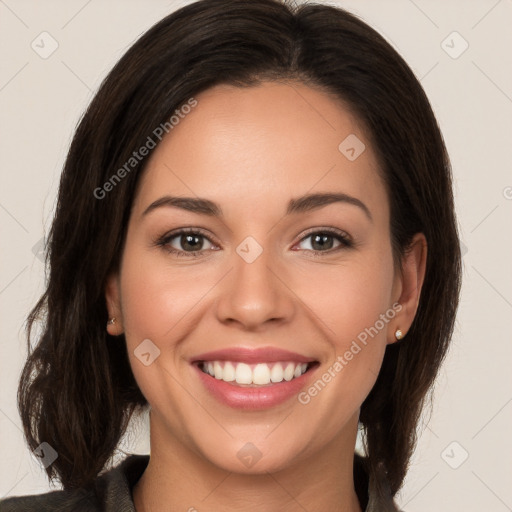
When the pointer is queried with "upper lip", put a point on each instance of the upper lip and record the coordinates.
(252, 355)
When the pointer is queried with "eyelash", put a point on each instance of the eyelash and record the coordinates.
(341, 236)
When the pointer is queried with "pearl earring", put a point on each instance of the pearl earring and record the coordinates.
(399, 334)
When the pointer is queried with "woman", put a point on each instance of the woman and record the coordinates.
(255, 238)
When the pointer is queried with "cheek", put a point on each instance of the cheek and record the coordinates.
(347, 299)
(162, 303)
(151, 305)
(156, 306)
(156, 298)
(353, 305)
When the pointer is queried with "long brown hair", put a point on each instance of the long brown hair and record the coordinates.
(77, 391)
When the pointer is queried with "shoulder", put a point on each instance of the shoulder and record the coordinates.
(111, 491)
(54, 500)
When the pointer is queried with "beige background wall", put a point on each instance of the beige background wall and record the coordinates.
(41, 100)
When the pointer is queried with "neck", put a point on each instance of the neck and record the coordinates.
(178, 479)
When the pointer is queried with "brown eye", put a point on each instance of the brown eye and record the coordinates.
(326, 241)
(190, 242)
(185, 242)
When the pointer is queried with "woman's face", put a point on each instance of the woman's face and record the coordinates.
(272, 272)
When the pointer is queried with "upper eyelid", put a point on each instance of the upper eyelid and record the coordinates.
(326, 229)
(180, 231)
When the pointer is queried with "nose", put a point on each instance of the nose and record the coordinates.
(255, 294)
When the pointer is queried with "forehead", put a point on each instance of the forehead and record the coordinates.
(263, 144)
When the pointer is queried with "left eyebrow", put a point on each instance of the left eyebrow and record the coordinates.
(301, 204)
(314, 201)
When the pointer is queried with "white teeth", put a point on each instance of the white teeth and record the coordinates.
(229, 374)
(289, 371)
(243, 374)
(276, 374)
(217, 369)
(260, 374)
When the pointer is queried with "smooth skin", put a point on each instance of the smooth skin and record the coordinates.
(251, 150)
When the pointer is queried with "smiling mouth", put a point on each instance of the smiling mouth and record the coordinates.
(255, 375)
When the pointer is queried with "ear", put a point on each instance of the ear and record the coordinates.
(408, 284)
(112, 299)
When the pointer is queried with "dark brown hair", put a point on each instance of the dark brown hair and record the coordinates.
(77, 391)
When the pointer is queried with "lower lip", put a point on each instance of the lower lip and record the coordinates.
(253, 398)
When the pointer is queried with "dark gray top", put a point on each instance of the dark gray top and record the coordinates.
(112, 492)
